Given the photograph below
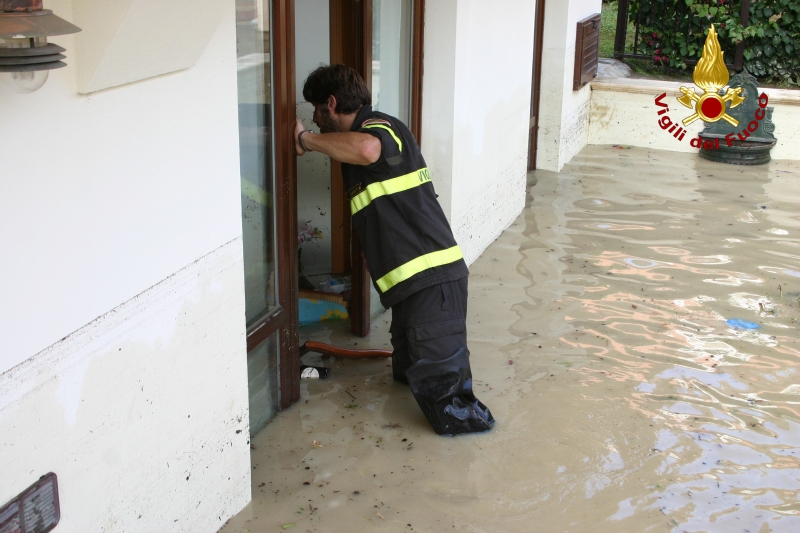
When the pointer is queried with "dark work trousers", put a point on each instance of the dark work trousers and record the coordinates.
(429, 336)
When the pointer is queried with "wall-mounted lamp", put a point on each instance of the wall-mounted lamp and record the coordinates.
(25, 55)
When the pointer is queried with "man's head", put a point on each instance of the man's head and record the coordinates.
(335, 90)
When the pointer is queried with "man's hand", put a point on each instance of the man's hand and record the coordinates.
(298, 128)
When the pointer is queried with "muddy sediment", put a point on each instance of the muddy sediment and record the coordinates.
(635, 334)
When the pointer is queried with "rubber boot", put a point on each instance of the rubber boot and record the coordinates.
(443, 390)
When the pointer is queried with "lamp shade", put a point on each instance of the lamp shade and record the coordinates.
(42, 23)
(24, 28)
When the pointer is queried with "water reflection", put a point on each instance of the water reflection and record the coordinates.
(636, 338)
(722, 243)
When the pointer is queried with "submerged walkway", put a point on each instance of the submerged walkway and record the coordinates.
(609, 336)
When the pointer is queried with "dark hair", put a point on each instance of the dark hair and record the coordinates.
(341, 81)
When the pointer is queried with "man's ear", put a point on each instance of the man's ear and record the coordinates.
(331, 104)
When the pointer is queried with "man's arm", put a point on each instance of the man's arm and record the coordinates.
(350, 147)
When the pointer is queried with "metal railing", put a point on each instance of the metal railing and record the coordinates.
(676, 11)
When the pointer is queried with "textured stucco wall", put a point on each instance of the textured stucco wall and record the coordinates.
(142, 413)
(476, 105)
(122, 332)
(438, 96)
(624, 112)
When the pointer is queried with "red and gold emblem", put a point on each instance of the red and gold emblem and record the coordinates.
(711, 75)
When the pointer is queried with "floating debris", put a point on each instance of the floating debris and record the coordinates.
(313, 372)
(742, 324)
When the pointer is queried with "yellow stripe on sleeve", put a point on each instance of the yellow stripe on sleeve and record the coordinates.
(387, 128)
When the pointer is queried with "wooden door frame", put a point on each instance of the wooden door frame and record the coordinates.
(533, 127)
(284, 318)
(351, 44)
(346, 19)
(417, 63)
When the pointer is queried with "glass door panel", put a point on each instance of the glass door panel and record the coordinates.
(262, 377)
(259, 213)
(391, 57)
(255, 155)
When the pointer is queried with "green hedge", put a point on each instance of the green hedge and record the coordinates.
(673, 31)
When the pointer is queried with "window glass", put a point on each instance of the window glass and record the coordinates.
(262, 377)
(254, 76)
(255, 153)
(391, 57)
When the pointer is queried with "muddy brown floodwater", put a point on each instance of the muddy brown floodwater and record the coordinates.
(604, 338)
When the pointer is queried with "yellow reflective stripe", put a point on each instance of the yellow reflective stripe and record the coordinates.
(391, 186)
(415, 266)
(257, 194)
(387, 128)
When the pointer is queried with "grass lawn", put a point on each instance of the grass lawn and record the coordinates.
(608, 28)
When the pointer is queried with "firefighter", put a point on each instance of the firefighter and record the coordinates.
(413, 258)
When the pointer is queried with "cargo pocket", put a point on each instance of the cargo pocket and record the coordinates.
(443, 328)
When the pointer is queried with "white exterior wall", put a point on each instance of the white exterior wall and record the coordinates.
(475, 113)
(624, 112)
(563, 113)
(122, 356)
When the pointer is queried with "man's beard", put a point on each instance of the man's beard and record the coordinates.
(326, 123)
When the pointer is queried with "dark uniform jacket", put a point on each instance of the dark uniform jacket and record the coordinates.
(405, 236)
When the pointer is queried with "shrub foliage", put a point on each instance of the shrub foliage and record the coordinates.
(674, 31)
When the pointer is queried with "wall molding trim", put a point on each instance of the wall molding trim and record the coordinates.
(124, 41)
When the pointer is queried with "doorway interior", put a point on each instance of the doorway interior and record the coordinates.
(382, 40)
(278, 43)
